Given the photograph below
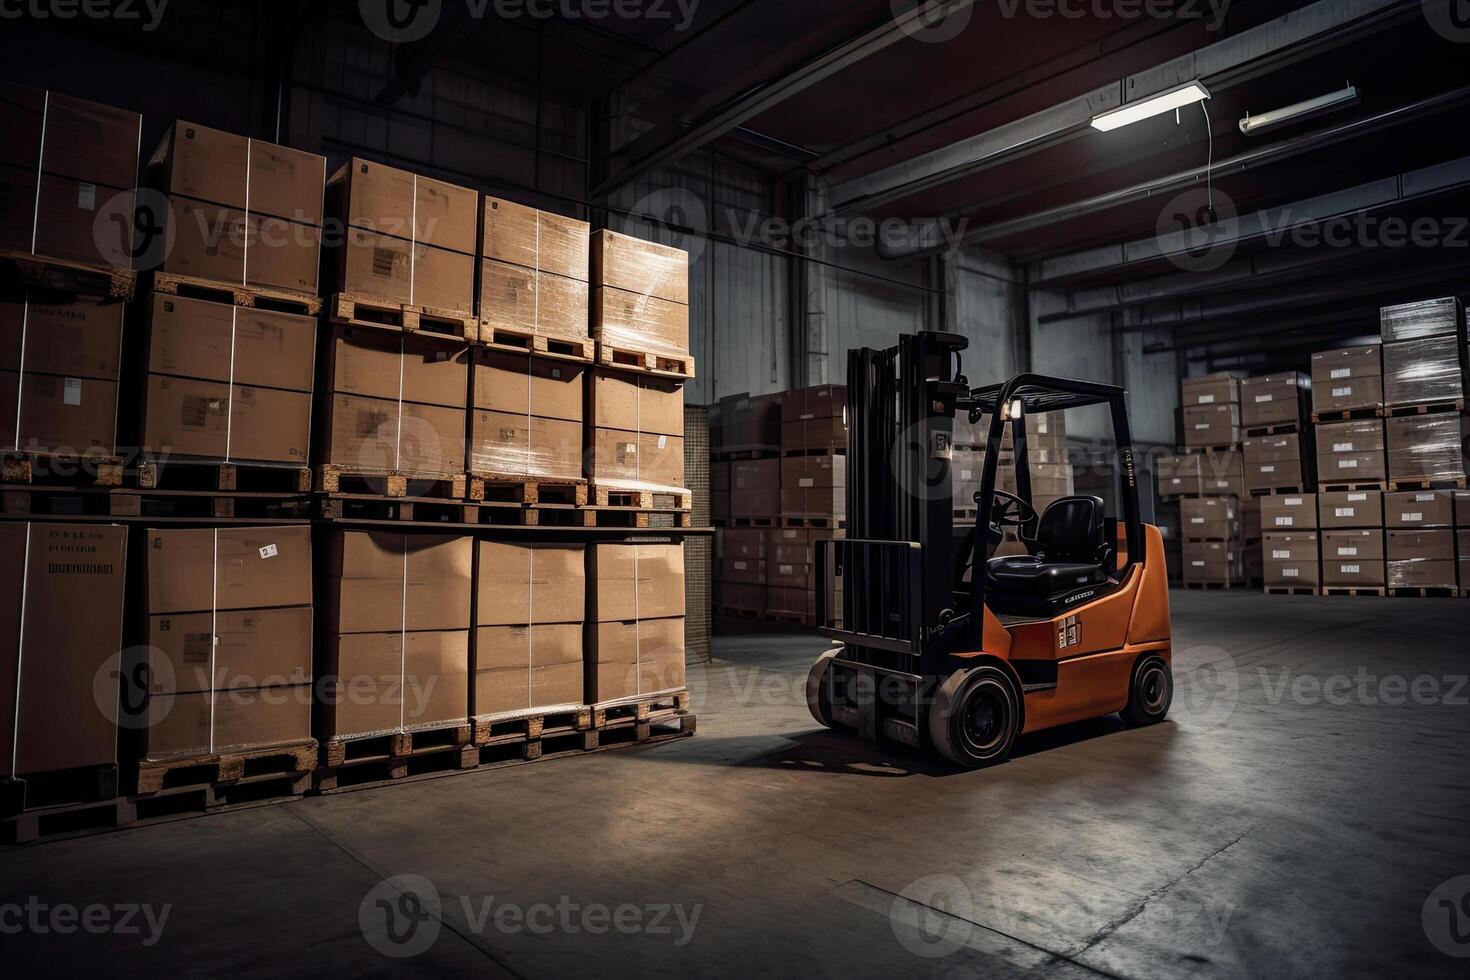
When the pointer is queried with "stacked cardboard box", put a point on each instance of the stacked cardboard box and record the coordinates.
(1047, 461)
(410, 240)
(1214, 546)
(396, 634)
(1201, 475)
(1212, 415)
(1424, 450)
(533, 273)
(530, 610)
(1278, 450)
(1293, 561)
(229, 639)
(1425, 359)
(1462, 539)
(1347, 382)
(635, 432)
(61, 622)
(1351, 523)
(241, 211)
(640, 295)
(636, 621)
(68, 177)
(395, 403)
(750, 425)
(745, 490)
(1421, 545)
(1351, 454)
(526, 416)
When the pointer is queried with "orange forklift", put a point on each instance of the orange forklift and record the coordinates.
(942, 645)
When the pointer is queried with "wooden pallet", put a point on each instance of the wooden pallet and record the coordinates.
(1278, 429)
(791, 618)
(747, 455)
(63, 787)
(739, 612)
(221, 768)
(1232, 447)
(1290, 590)
(1348, 415)
(1211, 586)
(1344, 590)
(98, 502)
(637, 518)
(1424, 592)
(498, 729)
(660, 363)
(1360, 485)
(58, 469)
(352, 761)
(526, 490)
(1281, 491)
(839, 523)
(357, 310)
(641, 709)
(1427, 408)
(513, 341)
(834, 451)
(373, 507)
(190, 474)
(238, 294)
(45, 823)
(613, 495)
(331, 478)
(1451, 484)
(65, 276)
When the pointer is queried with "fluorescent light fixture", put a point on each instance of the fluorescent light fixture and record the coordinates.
(1300, 111)
(1155, 105)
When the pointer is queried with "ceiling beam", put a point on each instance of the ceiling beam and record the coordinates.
(667, 143)
(411, 62)
(1226, 63)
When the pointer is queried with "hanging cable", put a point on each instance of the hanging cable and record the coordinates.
(1210, 162)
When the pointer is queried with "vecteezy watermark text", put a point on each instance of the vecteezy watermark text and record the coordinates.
(64, 919)
(150, 12)
(407, 21)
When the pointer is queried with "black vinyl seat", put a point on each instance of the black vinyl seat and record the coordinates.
(1071, 552)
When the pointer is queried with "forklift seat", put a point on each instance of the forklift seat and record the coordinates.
(1070, 551)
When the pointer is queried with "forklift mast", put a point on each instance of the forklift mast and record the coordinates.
(894, 570)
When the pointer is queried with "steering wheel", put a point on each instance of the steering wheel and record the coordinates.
(1010, 510)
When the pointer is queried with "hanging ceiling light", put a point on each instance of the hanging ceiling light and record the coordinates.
(1155, 105)
(1276, 118)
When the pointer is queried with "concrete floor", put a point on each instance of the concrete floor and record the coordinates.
(1273, 828)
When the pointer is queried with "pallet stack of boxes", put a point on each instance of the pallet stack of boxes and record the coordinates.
(1426, 367)
(745, 499)
(1277, 454)
(1347, 407)
(1214, 523)
(813, 499)
(1048, 464)
(404, 647)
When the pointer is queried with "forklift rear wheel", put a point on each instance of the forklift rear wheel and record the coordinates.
(1151, 692)
(975, 716)
(817, 697)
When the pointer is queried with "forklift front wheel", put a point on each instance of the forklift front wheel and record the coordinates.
(974, 718)
(1151, 692)
(818, 697)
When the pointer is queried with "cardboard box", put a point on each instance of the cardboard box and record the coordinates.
(1211, 517)
(755, 488)
(748, 544)
(828, 435)
(195, 338)
(81, 337)
(378, 683)
(1275, 399)
(382, 582)
(1212, 389)
(227, 568)
(636, 402)
(1347, 379)
(1351, 508)
(1353, 559)
(1212, 563)
(1419, 508)
(812, 472)
(70, 137)
(635, 659)
(524, 446)
(229, 649)
(521, 385)
(543, 669)
(379, 266)
(1431, 369)
(1421, 559)
(1289, 512)
(223, 168)
(49, 573)
(1352, 452)
(1178, 476)
(1462, 508)
(741, 571)
(636, 461)
(519, 584)
(1425, 318)
(1276, 462)
(1463, 545)
(1427, 447)
(751, 423)
(1292, 560)
(819, 402)
(375, 197)
(533, 239)
(214, 420)
(637, 266)
(635, 581)
(796, 603)
(525, 301)
(208, 722)
(211, 241)
(628, 319)
(72, 219)
(1212, 425)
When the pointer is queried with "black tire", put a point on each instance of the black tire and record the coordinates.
(818, 698)
(1150, 692)
(975, 717)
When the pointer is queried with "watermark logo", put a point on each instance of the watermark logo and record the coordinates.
(1446, 917)
(149, 12)
(1198, 231)
(135, 230)
(931, 918)
(401, 21)
(1450, 19)
(400, 916)
(681, 211)
(932, 21)
(122, 684)
(64, 919)
(1206, 686)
